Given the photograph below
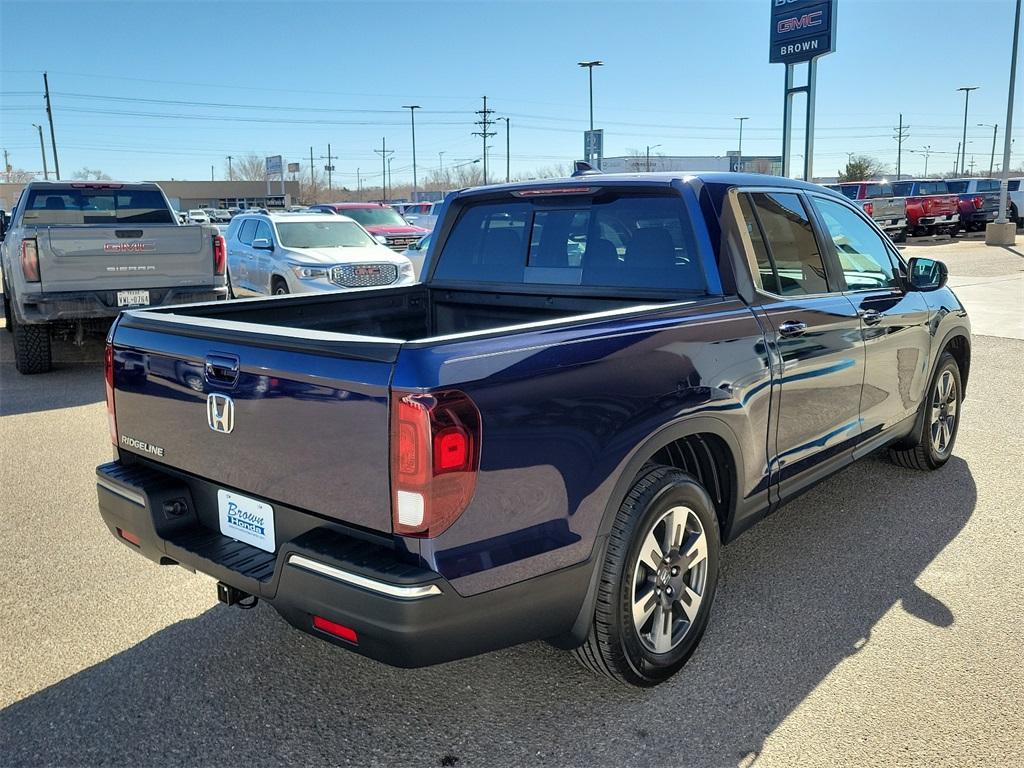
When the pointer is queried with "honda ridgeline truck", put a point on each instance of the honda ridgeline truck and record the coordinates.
(601, 381)
(78, 253)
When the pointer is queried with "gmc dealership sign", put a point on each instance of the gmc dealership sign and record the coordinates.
(802, 30)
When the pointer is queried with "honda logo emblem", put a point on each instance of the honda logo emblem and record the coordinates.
(220, 412)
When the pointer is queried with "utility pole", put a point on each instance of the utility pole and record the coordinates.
(956, 160)
(42, 151)
(384, 152)
(231, 175)
(359, 185)
(49, 116)
(390, 185)
(902, 133)
(440, 163)
(211, 171)
(312, 175)
(508, 155)
(739, 149)
(330, 170)
(412, 117)
(927, 152)
(967, 98)
(7, 167)
(484, 122)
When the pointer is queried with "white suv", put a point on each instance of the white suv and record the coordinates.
(279, 253)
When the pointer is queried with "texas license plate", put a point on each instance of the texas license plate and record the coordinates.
(246, 520)
(133, 298)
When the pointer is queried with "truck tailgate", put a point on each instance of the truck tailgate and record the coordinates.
(108, 258)
(306, 428)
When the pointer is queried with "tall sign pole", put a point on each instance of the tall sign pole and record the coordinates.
(1002, 231)
(802, 31)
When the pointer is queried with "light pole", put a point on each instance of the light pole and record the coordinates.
(42, 151)
(992, 157)
(1009, 237)
(649, 148)
(739, 159)
(231, 176)
(967, 98)
(590, 71)
(412, 117)
(508, 155)
(440, 163)
(927, 151)
(391, 187)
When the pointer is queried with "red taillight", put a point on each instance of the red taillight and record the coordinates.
(131, 538)
(435, 455)
(869, 209)
(220, 255)
(333, 628)
(30, 260)
(108, 374)
(978, 202)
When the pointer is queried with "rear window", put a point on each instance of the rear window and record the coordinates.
(850, 190)
(643, 242)
(374, 217)
(96, 206)
(878, 190)
(959, 187)
(904, 188)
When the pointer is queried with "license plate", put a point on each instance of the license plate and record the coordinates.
(246, 520)
(133, 298)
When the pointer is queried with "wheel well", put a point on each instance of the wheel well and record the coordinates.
(960, 348)
(707, 457)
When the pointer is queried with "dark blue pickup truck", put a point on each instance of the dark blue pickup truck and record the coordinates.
(601, 380)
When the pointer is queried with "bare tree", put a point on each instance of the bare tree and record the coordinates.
(863, 168)
(18, 176)
(250, 167)
(90, 174)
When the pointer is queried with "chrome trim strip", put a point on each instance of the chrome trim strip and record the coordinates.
(124, 493)
(391, 590)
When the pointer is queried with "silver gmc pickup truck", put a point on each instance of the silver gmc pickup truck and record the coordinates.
(77, 253)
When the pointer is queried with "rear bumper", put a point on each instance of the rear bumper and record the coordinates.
(939, 221)
(980, 216)
(78, 305)
(403, 614)
(892, 224)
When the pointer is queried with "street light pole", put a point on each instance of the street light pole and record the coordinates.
(42, 150)
(649, 148)
(508, 155)
(992, 156)
(739, 159)
(412, 116)
(1008, 130)
(589, 65)
(967, 98)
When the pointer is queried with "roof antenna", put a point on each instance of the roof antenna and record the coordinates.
(582, 168)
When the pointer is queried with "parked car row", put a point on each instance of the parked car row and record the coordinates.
(932, 206)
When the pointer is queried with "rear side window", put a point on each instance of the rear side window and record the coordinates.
(626, 241)
(785, 227)
(54, 206)
(247, 231)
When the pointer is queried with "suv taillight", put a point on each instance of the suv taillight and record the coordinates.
(435, 456)
(978, 202)
(220, 254)
(30, 260)
(108, 375)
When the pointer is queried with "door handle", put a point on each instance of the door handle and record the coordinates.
(792, 328)
(870, 316)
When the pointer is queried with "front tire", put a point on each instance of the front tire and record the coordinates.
(658, 581)
(279, 287)
(31, 348)
(933, 443)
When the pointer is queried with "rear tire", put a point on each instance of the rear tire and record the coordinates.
(932, 445)
(658, 581)
(900, 237)
(31, 348)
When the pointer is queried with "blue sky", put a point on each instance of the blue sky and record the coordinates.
(675, 74)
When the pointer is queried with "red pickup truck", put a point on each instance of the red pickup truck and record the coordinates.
(931, 207)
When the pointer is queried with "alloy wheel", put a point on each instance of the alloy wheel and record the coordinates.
(944, 413)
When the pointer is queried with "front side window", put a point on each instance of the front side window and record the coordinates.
(863, 256)
(786, 228)
(247, 231)
(263, 230)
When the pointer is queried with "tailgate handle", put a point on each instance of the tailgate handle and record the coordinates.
(221, 369)
(128, 233)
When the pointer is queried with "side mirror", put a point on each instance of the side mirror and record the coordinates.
(927, 274)
(263, 244)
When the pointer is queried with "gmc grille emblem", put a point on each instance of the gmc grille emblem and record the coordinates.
(220, 412)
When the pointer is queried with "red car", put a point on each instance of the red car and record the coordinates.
(379, 220)
(931, 208)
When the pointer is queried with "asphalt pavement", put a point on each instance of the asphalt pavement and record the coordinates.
(875, 620)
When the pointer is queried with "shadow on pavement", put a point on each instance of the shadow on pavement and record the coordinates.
(799, 594)
(69, 384)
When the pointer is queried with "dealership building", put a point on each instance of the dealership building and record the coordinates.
(202, 194)
(730, 161)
